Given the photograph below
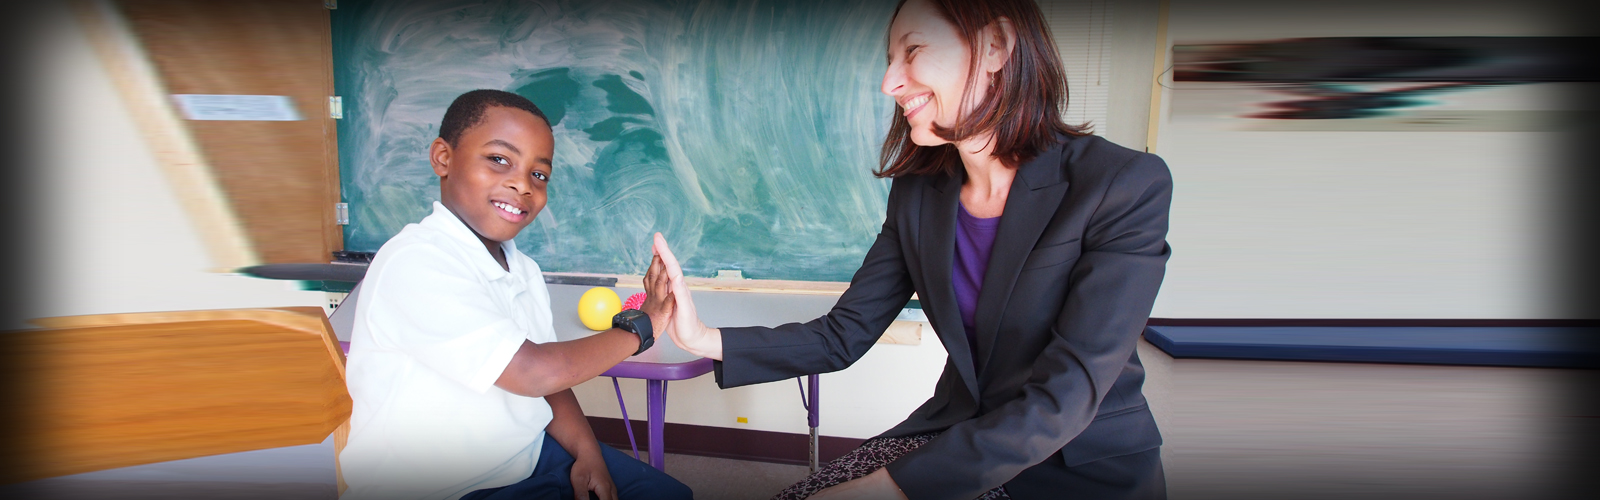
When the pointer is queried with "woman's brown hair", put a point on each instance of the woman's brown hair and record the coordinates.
(1023, 108)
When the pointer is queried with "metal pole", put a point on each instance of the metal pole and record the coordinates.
(813, 417)
(626, 423)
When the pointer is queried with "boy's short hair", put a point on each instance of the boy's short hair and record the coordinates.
(467, 111)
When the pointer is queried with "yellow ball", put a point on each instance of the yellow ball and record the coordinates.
(597, 306)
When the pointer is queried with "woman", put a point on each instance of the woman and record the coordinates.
(1036, 251)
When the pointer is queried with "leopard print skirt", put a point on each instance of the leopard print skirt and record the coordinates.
(871, 456)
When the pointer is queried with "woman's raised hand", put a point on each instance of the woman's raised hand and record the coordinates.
(686, 330)
(658, 301)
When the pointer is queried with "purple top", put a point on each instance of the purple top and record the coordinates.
(974, 239)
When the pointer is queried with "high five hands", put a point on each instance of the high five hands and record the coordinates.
(686, 329)
(658, 301)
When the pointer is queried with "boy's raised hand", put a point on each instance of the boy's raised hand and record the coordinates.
(658, 301)
(687, 330)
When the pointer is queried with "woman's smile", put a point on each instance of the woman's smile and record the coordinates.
(916, 103)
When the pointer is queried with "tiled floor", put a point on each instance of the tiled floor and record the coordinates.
(723, 479)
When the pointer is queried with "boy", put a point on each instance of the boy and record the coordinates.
(460, 389)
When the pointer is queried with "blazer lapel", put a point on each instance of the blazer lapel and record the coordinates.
(938, 251)
(1035, 194)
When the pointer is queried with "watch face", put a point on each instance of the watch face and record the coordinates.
(625, 320)
(629, 320)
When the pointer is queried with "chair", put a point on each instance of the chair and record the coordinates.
(115, 390)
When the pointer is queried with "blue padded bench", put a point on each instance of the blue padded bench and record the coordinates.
(1493, 346)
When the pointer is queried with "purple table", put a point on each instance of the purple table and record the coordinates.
(663, 362)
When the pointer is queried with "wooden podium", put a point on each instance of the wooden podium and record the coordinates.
(106, 391)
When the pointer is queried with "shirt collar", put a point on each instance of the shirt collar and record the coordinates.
(446, 222)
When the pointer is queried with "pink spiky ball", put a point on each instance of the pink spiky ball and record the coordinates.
(634, 301)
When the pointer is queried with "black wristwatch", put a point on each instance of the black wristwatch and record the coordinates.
(638, 323)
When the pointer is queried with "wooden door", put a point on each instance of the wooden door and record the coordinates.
(279, 179)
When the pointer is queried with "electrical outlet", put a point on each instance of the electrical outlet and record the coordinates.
(334, 299)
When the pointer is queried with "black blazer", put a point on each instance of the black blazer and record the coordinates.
(1055, 381)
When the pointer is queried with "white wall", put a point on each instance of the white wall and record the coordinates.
(1359, 218)
(111, 235)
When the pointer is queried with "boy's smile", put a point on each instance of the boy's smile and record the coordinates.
(496, 178)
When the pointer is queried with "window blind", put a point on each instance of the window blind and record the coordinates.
(1082, 32)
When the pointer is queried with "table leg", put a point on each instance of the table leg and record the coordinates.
(656, 408)
(813, 417)
(626, 423)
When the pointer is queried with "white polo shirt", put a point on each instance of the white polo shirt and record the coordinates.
(436, 323)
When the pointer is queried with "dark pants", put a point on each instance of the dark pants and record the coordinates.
(1128, 477)
(1137, 476)
(552, 478)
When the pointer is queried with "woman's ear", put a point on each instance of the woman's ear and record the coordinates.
(1000, 39)
(439, 156)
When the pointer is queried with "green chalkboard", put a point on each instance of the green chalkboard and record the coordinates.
(746, 132)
